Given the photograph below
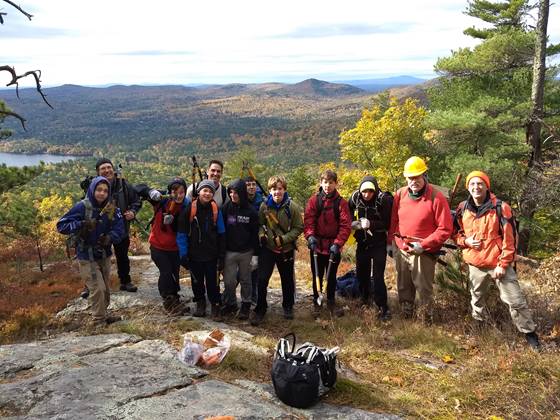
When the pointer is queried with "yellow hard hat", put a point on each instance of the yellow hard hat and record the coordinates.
(414, 166)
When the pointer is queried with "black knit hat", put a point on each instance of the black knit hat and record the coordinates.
(101, 162)
(176, 181)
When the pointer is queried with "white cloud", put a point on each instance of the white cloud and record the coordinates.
(184, 42)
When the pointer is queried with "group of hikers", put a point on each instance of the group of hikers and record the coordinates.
(242, 233)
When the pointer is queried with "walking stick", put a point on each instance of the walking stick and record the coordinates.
(329, 267)
(316, 280)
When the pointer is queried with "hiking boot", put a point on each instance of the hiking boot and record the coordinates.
(111, 319)
(334, 309)
(289, 313)
(257, 319)
(407, 310)
(316, 311)
(244, 311)
(384, 314)
(174, 307)
(84, 294)
(200, 310)
(128, 287)
(533, 340)
(229, 309)
(217, 312)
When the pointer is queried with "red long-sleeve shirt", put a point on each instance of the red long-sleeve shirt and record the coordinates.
(325, 227)
(427, 218)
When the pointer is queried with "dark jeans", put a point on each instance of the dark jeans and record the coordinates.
(322, 267)
(168, 264)
(285, 265)
(364, 257)
(204, 280)
(123, 263)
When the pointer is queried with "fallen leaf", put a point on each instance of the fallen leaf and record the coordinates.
(448, 359)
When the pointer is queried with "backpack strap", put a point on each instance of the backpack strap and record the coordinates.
(224, 194)
(194, 206)
(320, 205)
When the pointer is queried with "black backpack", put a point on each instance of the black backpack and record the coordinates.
(296, 374)
(320, 205)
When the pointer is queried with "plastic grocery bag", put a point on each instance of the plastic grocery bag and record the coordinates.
(191, 352)
(205, 349)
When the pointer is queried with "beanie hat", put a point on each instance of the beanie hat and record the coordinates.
(479, 174)
(176, 181)
(368, 183)
(206, 183)
(101, 162)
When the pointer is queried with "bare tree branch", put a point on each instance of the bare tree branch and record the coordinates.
(18, 8)
(15, 115)
(15, 81)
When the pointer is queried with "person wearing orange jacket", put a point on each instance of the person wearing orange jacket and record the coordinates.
(420, 224)
(484, 229)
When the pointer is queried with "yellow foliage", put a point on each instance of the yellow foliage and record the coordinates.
(383, 139)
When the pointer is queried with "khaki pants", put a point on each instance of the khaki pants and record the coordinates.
(98, 285)
(510, 293)
(415, 273)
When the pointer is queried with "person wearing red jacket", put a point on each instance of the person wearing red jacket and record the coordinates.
(485, 231)
(163, 240)
(326, 226)
(420, 224)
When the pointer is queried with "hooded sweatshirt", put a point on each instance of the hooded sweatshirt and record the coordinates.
(377, 211)
(108, 223)
(241, 221)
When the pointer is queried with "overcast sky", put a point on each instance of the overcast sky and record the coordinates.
(188, 42)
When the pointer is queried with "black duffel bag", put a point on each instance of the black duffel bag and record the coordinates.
(296, 374)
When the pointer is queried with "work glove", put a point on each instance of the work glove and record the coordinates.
(154, 195)
(334, 249)
(312, 243)
(390, 250)
(356, 225)
(89, 225)
(364, 222)
(185, 261)
(416, 248)
(254, 263)
(278, 241)
(220, 265)
(167, 219)
(104, 240)
(263, 239)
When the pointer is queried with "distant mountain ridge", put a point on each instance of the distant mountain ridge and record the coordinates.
(300, 122)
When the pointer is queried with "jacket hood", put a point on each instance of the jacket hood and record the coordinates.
(90, 193)
(239, 186)
(371, 179)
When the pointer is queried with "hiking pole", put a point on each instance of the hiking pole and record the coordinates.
(416, 238)
(329, 267)
(195, 168)
(316, 280)
(455, 187)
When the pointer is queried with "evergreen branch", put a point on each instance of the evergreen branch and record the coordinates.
(15, 115)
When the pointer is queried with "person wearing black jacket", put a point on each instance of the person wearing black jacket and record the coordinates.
(242, 246)
(201, 243)
(124, 196)
(371, 214)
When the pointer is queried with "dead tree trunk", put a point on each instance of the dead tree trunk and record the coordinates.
(533, 129)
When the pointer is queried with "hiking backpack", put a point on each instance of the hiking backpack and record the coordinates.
(297, 373)
(355, 200)
(320, 206)
(502, 219)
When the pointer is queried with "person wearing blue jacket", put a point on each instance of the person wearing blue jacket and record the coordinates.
(201, 243)
(255, 197)
(96, 224)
